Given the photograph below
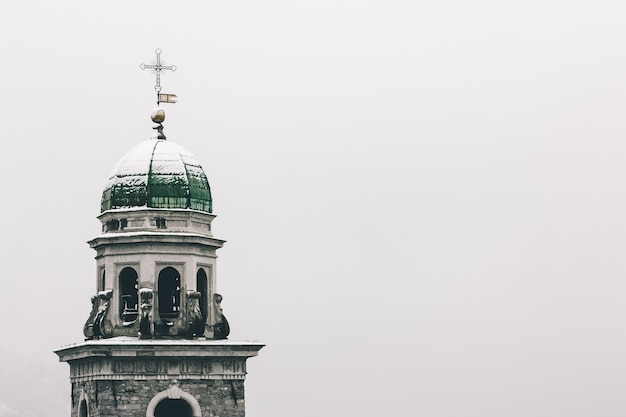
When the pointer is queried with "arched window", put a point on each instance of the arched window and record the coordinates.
(83, 411)
(202, 286)
(169, 293)
(128, 294)
(102, 281)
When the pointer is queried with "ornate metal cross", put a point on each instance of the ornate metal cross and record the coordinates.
(157, 66)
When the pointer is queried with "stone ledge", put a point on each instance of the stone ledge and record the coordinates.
(132, 377)
(133, 347)
(155, 238)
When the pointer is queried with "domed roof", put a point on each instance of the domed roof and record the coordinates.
(157, 174)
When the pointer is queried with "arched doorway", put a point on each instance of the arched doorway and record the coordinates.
(173, 402)
(173, 408)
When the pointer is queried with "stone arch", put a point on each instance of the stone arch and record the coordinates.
(168, 292)
(202, 286)
(83, 405)
(102, 283)
(128, 289)
(174, 392)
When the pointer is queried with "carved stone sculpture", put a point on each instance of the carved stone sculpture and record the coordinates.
(88, 327)
(194, 314)
(98, 325)
(221, 329)
(102, 327)
(145, 323)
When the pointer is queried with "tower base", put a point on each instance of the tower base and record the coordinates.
(128, 377)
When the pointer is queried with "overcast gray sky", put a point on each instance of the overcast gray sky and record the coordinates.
(423, 200)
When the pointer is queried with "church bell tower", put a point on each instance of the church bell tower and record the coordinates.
(156, 338)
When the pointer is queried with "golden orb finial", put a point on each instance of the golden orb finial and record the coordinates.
(157, 115)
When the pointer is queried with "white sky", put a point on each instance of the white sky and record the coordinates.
(423, 200)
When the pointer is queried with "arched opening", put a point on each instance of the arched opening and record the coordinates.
(102, 280)
(202, 286)
(128, 294)
(172, 408)
(169, 293)
(83, 411)
(173, 402)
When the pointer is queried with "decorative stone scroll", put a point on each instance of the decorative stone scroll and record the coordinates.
(194, 314)
(221, 329)
(145, 323)
(98, 325)
(88, 327)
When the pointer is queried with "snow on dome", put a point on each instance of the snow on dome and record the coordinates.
(157, 174)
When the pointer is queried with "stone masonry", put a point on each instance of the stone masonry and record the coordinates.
(127, 377)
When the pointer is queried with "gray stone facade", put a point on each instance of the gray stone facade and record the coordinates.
(129, 377)
(130, 398)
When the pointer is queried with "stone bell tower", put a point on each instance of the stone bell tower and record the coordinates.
(156, 338)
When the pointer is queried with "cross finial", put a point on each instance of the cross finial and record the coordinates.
(157, 66)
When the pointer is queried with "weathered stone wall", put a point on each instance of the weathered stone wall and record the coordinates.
(130, 397)
(150, 367)
(130, 377)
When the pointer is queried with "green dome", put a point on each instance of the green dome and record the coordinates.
(158, 174)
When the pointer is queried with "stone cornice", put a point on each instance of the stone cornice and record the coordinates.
(152, 211)
(155, 238)
(131, 347)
